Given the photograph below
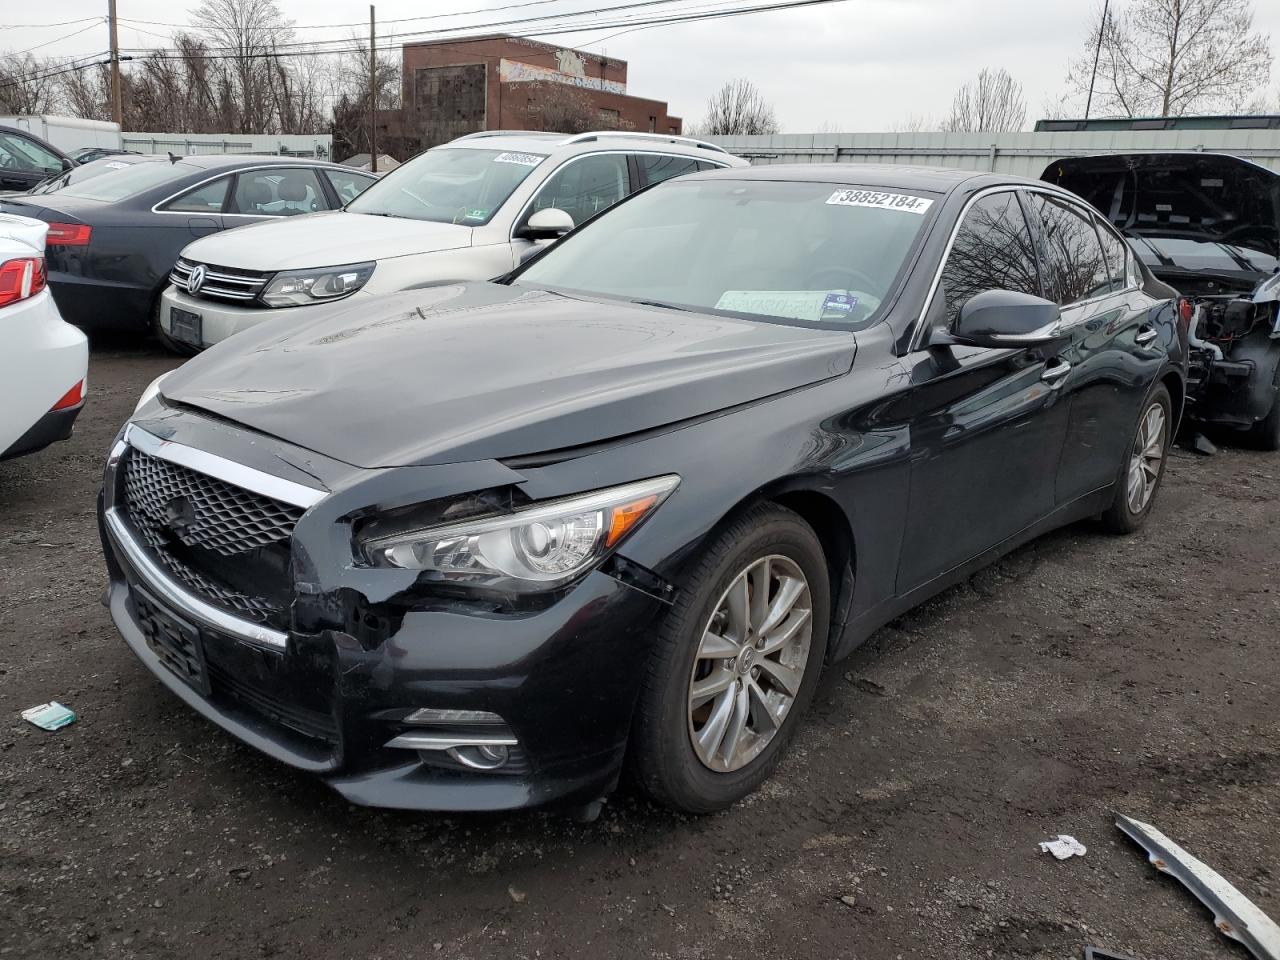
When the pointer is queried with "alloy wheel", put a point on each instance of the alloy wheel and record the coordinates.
(750, 662)
(1146, 458)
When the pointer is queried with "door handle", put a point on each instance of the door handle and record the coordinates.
(1055, 373)
(1145, 335)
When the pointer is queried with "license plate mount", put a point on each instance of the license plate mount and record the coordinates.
(186, 327)
(176, 643)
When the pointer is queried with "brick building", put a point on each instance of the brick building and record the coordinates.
(509, 83)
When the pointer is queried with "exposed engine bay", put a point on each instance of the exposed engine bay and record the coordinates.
(1208, 225)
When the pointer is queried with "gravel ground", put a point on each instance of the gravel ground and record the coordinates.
(1082, 675)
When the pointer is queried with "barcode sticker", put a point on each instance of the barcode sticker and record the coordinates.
(524, 159)
(886, 201)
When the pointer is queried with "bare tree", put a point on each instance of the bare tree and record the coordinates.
(27, 84)
(991, 104)
(1169, 58)
(915, 123)
(738, 108)
(564, 108)
(350, 126)
(248, 33)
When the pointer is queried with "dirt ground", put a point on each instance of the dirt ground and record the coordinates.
(1083, 675)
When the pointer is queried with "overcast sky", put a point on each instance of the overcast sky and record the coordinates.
(853, 65)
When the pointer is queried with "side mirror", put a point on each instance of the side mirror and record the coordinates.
(67, 163)
(1003, 318)
(549, 224)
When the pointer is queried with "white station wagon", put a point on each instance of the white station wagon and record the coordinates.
(471, 209)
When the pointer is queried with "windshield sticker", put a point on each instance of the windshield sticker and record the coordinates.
(115, 165)
(476, 213)
(524, 159)
(837, 306)
(886, 201)
(812, 305)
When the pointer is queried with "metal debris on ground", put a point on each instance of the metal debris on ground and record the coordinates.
(1234, 914)
(1064, 847)
(49, 716)
(1097, 953)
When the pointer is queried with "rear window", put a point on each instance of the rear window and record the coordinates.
(131, 181)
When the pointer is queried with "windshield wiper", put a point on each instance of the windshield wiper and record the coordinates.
(664, 306)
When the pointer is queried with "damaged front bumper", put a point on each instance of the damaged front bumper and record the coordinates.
(1234, 357)
(394, 698)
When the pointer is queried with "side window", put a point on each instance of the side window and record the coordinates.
(655, 169)
(584, 187)
(1116, 254)
(348, 185)
(993, 250)
(205, 199)
(277, 193)
(19, 153)
(1076, 268)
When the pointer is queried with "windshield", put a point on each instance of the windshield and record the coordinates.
(94, 168)
(448, 186)
(131, 181)
(820, 253)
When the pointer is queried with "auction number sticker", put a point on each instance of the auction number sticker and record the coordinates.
(886, 201)
(524, 159)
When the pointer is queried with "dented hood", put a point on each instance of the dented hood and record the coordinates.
(475, 371)
(1195, 208)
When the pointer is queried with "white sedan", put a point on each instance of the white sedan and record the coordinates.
(44, 361)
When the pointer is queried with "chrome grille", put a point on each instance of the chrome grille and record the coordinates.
(168, 502)
(220, 283)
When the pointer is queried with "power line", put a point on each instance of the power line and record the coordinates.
(43, 26)
(75, 33)
(58, 73)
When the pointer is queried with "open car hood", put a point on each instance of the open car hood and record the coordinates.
(1199, 213)
(474, 371)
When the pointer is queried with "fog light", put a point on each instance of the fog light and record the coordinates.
(487, 756)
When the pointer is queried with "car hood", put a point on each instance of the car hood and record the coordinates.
(325, 240)
(474, 371)
(1207, 198)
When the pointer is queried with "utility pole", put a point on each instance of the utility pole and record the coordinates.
(117, 111)
(373, 94)
(1102, 30)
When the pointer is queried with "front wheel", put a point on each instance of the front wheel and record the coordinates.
(735, 664)
(1143, 467)
(1266, 432)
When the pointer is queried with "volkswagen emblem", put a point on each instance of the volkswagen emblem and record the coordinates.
(196, 280)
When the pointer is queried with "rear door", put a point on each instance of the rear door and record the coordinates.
(1113, 354)
(203, 205)
(987, 426)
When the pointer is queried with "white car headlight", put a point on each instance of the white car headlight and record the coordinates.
(293, 288)
(151, 392)
(535, 548)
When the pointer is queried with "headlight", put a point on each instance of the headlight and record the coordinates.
(535, 548)
(293, 288)
(151, 392)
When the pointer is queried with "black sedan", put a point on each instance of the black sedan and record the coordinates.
(114, 238)
(487, 545)
(26, 160)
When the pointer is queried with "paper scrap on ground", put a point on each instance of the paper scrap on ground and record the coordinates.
(49, 716)
(1064, 848)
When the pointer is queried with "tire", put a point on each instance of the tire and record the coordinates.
(1266, 432)
(1129, 508)
(767, 544)
(166, 341)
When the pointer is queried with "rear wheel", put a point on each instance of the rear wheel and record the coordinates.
(1143, 467)
(159, 332)
(735, 664)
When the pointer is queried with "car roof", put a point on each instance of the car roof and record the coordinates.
(886, 175)
(217, 161)
(526, 141)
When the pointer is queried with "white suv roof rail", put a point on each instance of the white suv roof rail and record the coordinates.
(635, 135)
(536, 134)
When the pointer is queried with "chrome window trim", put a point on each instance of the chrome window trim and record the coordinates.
(221, 468)
(920, 323)
(511, 233)
(180, 598)
(228, 173)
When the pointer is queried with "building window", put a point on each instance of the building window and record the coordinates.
(609, 115)
(653, 124)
